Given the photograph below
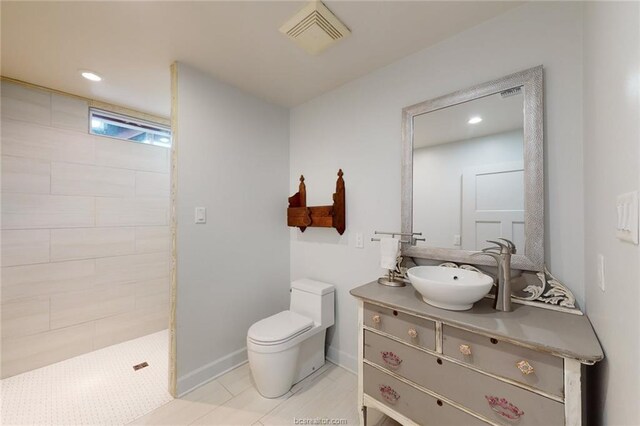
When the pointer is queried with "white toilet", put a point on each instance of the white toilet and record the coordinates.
(286, 347)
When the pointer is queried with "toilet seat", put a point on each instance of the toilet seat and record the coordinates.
(279, 328)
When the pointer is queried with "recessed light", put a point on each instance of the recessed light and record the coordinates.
(92, 76)
(474, 120)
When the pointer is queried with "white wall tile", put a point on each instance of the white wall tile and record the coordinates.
(151, 287)
(24, 103)
(86, 305)
(59, 269)
(80, 179)
(131, 155)
(160, 300)
(46, 279)
(25, 175)
(87, 243)
(129, 269)
(69, 112)
(131, 212)
(150, 239)
(24, 247)
(150, 184)
(130, 325)
(22, 139)
(27, 211)
(26, 353)
(25, 317)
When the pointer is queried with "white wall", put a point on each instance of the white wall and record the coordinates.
(437, 175)
(85, 236)
(612, 167)
(234, 270)
(357, 127)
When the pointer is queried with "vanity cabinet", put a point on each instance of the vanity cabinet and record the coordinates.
(426, 366)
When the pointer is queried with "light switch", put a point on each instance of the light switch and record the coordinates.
(359, 240)
(201, 215)
(627, 215)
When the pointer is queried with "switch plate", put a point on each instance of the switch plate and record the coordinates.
(601, 272)
(201, 215)
(627, 211)
(359, 240)
(457, 241)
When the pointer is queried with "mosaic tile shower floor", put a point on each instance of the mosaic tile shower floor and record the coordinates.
(98, 388)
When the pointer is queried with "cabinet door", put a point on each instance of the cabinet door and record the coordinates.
(413, 403)
(411, 329)
(498, 401)
(536, 369)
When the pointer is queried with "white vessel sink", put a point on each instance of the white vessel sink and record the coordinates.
(449, 288)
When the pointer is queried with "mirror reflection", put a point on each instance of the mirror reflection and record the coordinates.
(468, 173)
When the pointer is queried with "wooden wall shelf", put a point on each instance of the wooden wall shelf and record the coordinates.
(301, 216)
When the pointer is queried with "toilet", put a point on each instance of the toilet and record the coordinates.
(286, 347)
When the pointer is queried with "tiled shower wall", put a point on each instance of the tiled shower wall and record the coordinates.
(85, 236)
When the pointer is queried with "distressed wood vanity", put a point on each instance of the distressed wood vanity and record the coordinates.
(422, 365)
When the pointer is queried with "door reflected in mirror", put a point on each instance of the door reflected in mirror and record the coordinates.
(468, 173)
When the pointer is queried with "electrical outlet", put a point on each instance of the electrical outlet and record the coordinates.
(601, 272)
(457, 241)
(359, 240)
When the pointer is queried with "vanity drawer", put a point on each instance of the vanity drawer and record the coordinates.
(413, 403)
(536, 369)
(414, 330)
(491, 398)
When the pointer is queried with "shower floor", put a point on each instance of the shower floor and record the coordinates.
(98, 388)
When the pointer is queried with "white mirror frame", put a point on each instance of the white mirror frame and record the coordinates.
(531, 256)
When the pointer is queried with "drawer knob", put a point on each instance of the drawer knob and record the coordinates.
(389, 394)
(465, 349)
(504, 408)
(376, 319)
(525, 367)
(412, 333)
(391, 360)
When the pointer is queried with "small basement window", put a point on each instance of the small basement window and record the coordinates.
(104, 123)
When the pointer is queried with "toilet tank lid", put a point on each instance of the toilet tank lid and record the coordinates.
(312, 286)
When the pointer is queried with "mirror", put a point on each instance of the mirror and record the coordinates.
(473, 171)
(469, 157)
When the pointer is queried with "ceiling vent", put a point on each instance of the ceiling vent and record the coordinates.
(315, 28)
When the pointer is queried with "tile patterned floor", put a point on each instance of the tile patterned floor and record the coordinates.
(101, 388)
(98, 388)
(232, 399)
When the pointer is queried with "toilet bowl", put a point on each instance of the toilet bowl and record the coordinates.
(286, 347)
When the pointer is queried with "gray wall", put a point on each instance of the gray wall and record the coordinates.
(612, 167)
(85, 241)
(234, 270)
(357, 127)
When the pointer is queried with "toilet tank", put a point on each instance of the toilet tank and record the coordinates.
(313, 299)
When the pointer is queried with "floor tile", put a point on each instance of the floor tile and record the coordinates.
(332, 396)
(243, 409)
(237, 380)
(97, 388)
(189, 408)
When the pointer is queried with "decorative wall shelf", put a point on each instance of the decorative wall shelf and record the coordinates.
(301, 216)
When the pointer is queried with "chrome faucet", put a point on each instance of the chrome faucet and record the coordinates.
(501, 252)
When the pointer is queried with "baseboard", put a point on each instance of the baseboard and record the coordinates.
(211, 371)
(343, 359)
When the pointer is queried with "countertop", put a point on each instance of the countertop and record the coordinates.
(563, 334)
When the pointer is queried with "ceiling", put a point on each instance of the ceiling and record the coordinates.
(498, 115)
(132, 44)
